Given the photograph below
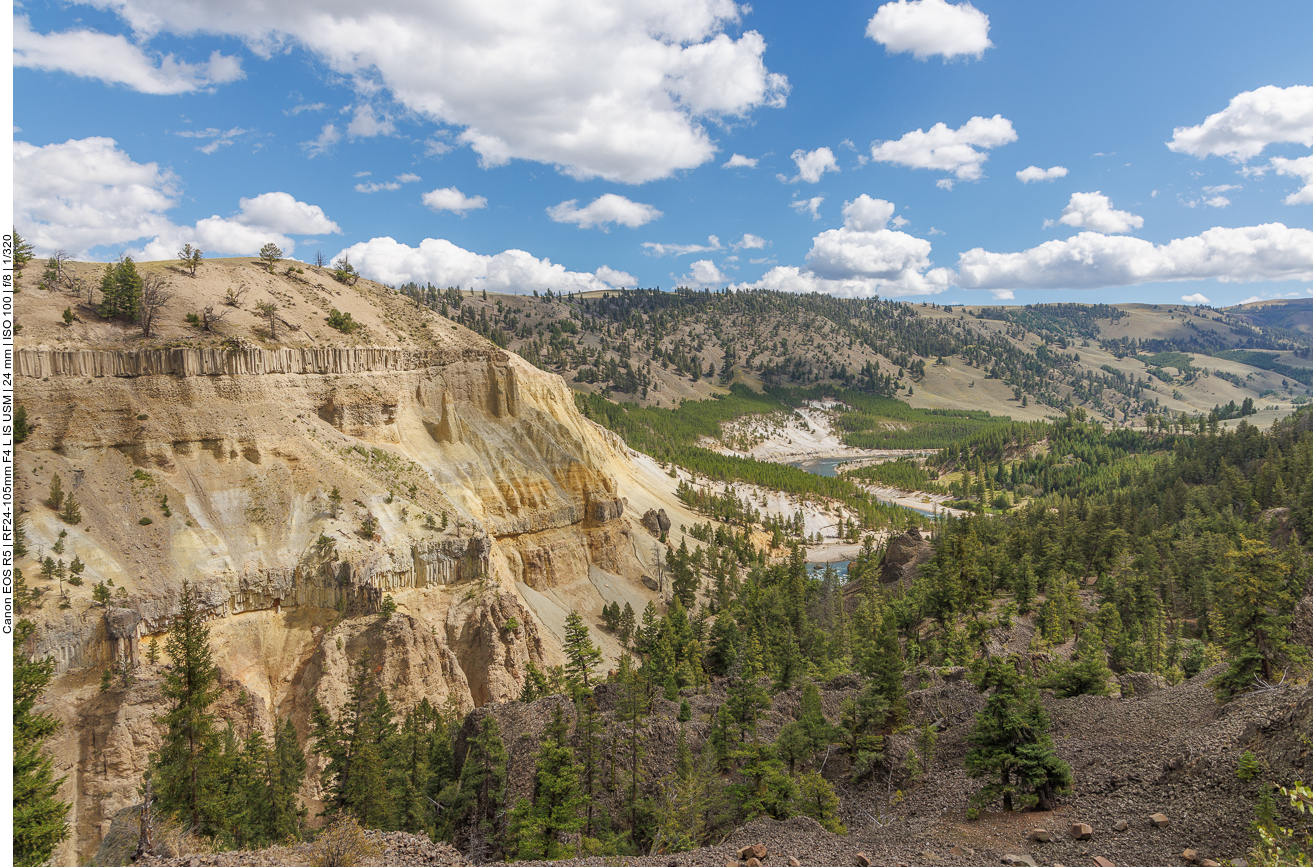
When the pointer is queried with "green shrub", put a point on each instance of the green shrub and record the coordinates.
(1248, 767)
(342, 321)
(145, 521)
(343, 844)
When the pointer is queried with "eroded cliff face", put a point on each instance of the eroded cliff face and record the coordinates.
(468, 488)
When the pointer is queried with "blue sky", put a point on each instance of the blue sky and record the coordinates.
(1165, 149)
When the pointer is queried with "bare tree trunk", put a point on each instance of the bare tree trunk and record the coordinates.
(144, 846)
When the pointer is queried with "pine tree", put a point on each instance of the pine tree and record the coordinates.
(816, 798)
(1088, 673)
(582, 656)
(538, 826)
(56, 491)
(811, 718)
(686, 796)
(120, 291)
(482, 786)
(588, 729)
(283, 775)
(631, 709)
(884, 664)
(72, 511)
(182, 771)
(861, 719)
(352, 744)
(1010, 744)
(1257, 595)
(792, 745)
(746, 697)
(38, 814)
(625, 629)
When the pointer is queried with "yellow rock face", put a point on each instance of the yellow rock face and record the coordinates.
(218, 467)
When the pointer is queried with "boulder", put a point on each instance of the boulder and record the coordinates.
(752, 862)
(1121, 825)
(1158, 820)
(121, 623)
(757, 850)
(651, 583)
(1209, 862)
(863, 860)
(1100, 861)
(1190, 856)
(663, 521)
(794, 862)
(904, 556)
(1081, 831)
(1019, 861)
(651, 523)
(1040, 835)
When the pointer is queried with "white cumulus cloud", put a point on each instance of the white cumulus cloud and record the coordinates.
(739, 161)
(618, 279)
(1217, 202)
(866, 214)
(703, 272)
(1004, 295)
(812, 165)
(442, 263)
(1253, 120)
(452, 199)
(328, 136)
(260, 220)
(810, 206)
(1090, 260)
(1095, 211)
(366, 123)
(1035, 173)
(281, 212)
(608, 208)
(750, 241)
(862, 259)
(1196, 298)
(377, 187)
(622, 90)
(87, 193)
(652, 248)
(960, 151)
(115, 60)
(929, 27)
(1301, 168)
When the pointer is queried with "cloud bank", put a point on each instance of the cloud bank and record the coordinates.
(598, 88)
(442, 263)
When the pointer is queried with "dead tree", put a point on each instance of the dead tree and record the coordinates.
(155, 293)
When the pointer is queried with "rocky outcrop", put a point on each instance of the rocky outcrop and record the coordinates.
(903, 556)
(295, 490)
(239, 360)
(650, 522)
